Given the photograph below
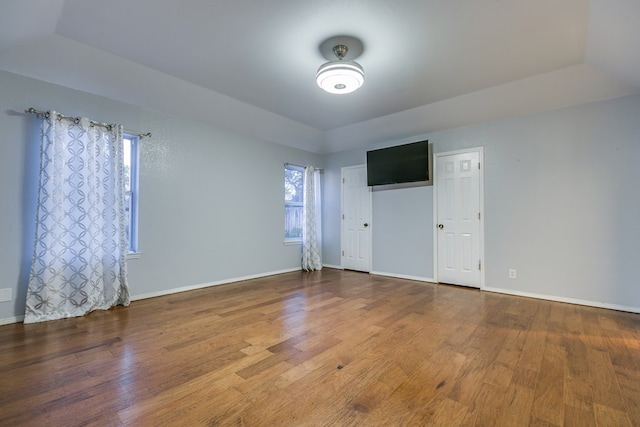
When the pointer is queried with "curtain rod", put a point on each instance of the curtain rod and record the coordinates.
(93, 122)
(300, 166)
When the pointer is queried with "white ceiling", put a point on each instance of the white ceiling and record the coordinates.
(249, 65)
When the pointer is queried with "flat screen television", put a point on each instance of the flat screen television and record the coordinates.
(400, 164)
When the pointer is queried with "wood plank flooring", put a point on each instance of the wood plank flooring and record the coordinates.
(330, 348)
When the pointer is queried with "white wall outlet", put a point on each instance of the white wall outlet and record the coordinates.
(5, 295)
(513, 274)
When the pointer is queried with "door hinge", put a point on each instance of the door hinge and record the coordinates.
(480, 265)
(478, 165)
(342, 253)
(343, 180)
(342, 216)
(478, 215)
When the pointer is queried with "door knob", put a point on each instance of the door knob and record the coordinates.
(366, 224)
(440, 226)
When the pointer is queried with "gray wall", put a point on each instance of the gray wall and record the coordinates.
(402, 235)
(561, 205)
(211, 201)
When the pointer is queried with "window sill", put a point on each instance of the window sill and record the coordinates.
(292, 242)
(133, 255)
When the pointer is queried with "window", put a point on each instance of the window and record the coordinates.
(293, 200)
(131, 157)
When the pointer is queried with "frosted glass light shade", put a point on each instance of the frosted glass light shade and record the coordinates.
(340, 76)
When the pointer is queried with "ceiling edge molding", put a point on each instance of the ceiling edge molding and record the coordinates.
(578, 84)
(66, 62)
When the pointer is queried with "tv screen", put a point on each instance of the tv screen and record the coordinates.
(399, 164)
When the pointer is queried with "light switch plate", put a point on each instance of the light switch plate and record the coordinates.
(5, 295)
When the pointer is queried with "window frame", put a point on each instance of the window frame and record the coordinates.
(133, 193)
(292, 240)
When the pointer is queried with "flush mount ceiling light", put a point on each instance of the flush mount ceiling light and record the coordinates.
(342, 75)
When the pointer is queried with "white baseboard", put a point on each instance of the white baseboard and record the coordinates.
(9, 320)
(18, 319)
(404, 276)
(206, 285)
(565, 299)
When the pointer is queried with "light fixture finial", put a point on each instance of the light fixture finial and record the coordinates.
(340, 51)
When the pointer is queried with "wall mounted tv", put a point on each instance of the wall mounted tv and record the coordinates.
(407, 163)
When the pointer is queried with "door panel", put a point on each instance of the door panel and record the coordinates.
(458, 218)
(356, 219)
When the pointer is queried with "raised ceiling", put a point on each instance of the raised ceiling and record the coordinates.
(250, 65)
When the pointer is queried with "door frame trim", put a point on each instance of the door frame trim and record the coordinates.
(480, 151)
(371, 225)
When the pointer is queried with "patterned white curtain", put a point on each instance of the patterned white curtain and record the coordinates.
(79, 257)
(312, 227)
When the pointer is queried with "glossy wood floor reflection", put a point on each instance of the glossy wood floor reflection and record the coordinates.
(329, 348)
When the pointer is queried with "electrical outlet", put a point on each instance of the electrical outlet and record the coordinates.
(513, 274)
(5, 295)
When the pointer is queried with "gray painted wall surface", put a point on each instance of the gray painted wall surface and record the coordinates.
(211, 201)
(562, 204)
(402, 236)
(561, 199)
(401, 219)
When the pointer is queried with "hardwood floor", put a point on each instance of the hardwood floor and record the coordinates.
(326, 348)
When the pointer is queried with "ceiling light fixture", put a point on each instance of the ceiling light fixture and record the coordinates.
(342, 75)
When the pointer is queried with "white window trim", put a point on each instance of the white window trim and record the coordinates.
(291, 242)
(294, 240)
(134, 174)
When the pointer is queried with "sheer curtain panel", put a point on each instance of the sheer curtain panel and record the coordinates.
(311, 229)
(79, 257)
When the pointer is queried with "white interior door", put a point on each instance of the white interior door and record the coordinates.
(458, 218)
(356, 219)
